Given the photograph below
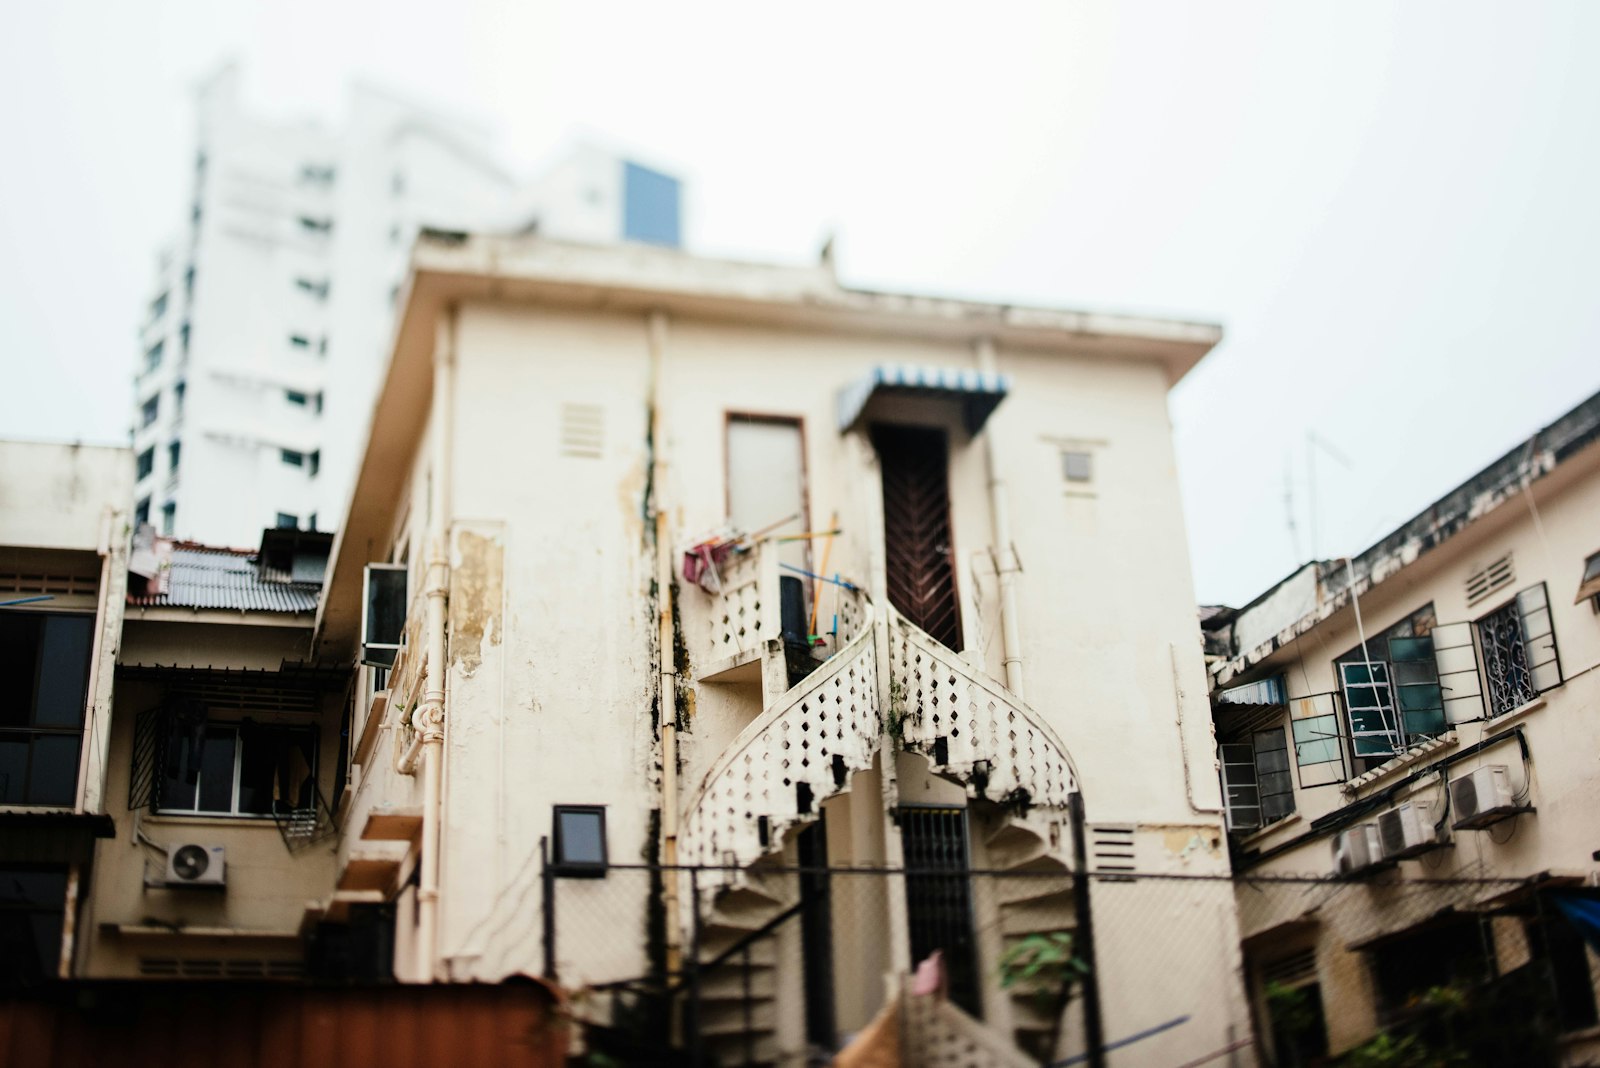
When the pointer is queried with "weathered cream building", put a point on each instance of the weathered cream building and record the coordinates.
(63, 537)
(1419, 721)
(950, 505)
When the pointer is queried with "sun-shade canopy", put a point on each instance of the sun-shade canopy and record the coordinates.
(977, 393)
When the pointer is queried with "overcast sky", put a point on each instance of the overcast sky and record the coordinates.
(1394, 211)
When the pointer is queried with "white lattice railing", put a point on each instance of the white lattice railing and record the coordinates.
(745, 614)
(804, 746)
(971, 727)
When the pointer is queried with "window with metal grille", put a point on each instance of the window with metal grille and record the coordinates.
(1520, 660)
(939, 895)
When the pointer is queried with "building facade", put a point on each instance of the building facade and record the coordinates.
(270, 319)
(63, 566)
(1416, 725)
(945, 504)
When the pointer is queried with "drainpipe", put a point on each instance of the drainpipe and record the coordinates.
(1000, 516)
(428, 719)
(667, 682)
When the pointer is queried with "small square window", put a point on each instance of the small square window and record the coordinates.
(1077, 466)
(292, 458)
(295, 397)
(287, 521)
(580, 840)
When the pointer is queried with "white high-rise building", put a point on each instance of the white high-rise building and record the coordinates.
(272, 312)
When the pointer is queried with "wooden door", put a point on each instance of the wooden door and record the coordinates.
(919, 553)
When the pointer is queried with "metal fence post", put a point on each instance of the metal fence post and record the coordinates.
(1083, 938)
(547, 877)
(696, 1049)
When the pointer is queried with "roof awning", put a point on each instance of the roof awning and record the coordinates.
(1589, 585)
(977, 393)
(1264, 693)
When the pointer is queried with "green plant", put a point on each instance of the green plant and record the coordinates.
(1290, 1007)
(1048, 966)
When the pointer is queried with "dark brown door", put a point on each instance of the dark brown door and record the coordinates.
(916, 529)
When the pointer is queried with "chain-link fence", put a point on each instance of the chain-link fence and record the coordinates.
(789, 965)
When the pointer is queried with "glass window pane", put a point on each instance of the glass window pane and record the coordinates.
(19, 661)
(53, 779)
(13, 768)
(63, 670)
(581, 838)
(178, 775)
(216, 771)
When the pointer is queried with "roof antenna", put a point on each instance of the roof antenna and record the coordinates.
(1313, 443)
(825, 256)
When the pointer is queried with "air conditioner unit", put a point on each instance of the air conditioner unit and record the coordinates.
(196, 865)
(1408, 830)
(1356, 849)
(1480, 798)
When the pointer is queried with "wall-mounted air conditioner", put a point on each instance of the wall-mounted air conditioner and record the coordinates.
(1483, 797)
(1356, 848)
(196, 865)
(1409, 830)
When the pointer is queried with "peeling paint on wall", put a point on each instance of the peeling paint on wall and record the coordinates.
(1185, 842)
(476, 595)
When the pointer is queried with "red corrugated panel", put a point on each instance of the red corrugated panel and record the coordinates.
(226, 1025)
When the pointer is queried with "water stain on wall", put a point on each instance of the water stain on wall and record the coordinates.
(477, 584)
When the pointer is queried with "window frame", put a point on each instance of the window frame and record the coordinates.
(578, 869)
(1375, 653)
(32, 731)
(1518, 611)
(160, 808)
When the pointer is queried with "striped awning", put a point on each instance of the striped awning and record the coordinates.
(977, 393)
(1264, 693)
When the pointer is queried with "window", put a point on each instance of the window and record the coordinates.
(314, 462)
(237, 769)
(45, 660)
(292, 458)
(152, 355)
(311, 523)
(1519, 651)
(317, 174)
(313, 225)
(1077, 466)
(317, 401)
(144, 463)
(33, 902)
(158, 307)
(188, 283)
(383, 614)
(1318, 747)
(169, 517)
(1589, 585)
(1256, 783)
(183, 337)
(1397, 661)
(174, 451)
(315, 288)
(295, 397)
(177, 397)
(300, 341)
(149, 410)
(141, 513)
(579, 842)
(285, 521)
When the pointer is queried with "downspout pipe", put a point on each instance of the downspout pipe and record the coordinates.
(1006, 552)
(429, 717)
(667, 679)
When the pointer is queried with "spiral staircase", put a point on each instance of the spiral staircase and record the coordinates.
(886, 679)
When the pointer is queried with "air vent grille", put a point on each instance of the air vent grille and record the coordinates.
(583, 431)
(16, 582)
(1111, 848)
(1292, 970)
(213, 968)
(1482, 583)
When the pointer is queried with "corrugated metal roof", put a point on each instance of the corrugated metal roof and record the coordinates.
(227, 579)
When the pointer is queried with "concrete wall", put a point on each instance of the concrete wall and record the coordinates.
(56, 496)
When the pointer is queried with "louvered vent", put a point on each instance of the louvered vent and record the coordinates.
(30, 583)
(1481, 584)
(1293, 970)
(583, 431)
(211, 968)
(1111, 848)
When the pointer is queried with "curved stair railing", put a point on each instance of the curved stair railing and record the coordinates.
(798, 753)
(971, 728)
